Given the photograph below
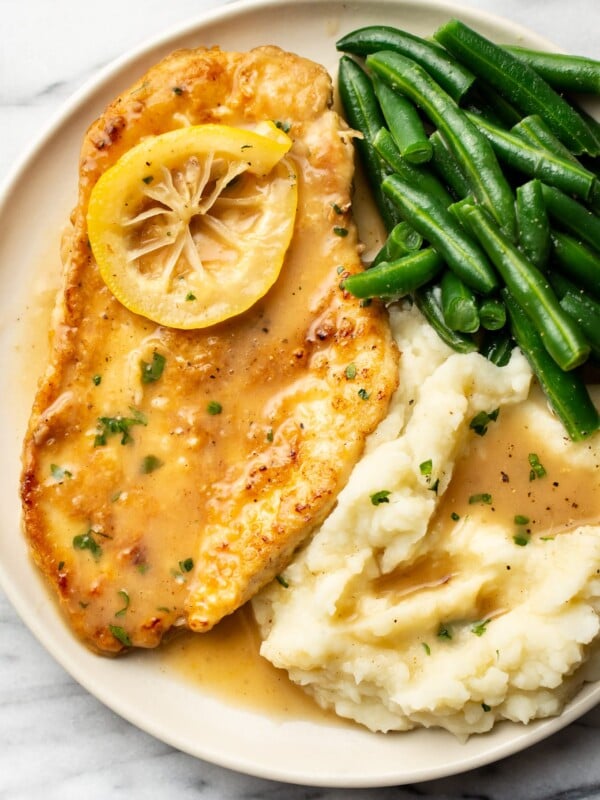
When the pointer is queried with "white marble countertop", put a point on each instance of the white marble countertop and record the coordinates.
(56, 740)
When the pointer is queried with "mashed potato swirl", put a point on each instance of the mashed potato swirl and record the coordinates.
(394, 617)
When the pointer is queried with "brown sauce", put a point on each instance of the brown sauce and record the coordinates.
(226, 662)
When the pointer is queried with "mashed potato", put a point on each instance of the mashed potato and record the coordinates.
(424, 600)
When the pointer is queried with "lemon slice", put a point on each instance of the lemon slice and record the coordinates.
(191, 227)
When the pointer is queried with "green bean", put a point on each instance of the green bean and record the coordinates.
(561, 336)
(519, 84)
(566, 391)
(534, 130)
(497, 347)
(418, 175)
(404, 124)
(572, 216)
(437, 225)
(563, 72)
(363, 114)
(529, 159)
(458, 304)
(533, 223)
(492, 313)
(452, 76)
(447, 167)
(586, 312)
(468, 145)
(395, 279)
(427, 301)
(401, 241)
(579, 262)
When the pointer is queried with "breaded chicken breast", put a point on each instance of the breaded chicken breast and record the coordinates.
(169, 474)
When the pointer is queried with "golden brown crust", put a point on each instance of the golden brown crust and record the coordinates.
(237, 492)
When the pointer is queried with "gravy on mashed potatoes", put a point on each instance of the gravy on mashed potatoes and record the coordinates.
(423, 601)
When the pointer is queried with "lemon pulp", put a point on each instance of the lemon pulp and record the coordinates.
(191, 227)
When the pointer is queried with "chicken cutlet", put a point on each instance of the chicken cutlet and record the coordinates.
(169, 474)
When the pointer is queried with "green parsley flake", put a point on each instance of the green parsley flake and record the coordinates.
(177, 90)
(426, 467)
(383, 496)
(97, 380)
(280, 579)
(59, 473)
(485, 707)
(283, 126)
(270, 435)
(363, 394)
(537, 469)
(190, 296)
(480, 421)
(444, 632)
(86, 541)
(519, 519)
(124, 595)
(120, 634)
(214, 408)
(339, 231)
(152, 372)
(454, 516)
(148, 179)
(115, 425)
(479, 628)
(150, 464)
(187, 565)
(426, 648)
(350, 372)
(521, 539)
(482, 497)
(337, 209)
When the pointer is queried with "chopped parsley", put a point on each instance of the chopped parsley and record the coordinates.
(339, 231)
(350, 372)
(482, 497)
(363, 394)
(120, 634)
(124, 595)
(454, 516)
(86, 541)
(97, 380)
(426, 648)
(426, 467)
(480, 421)
(444, 632)
(519, 519)
(214, 408)
(283, 126)
(280, 579)
(537, 469)
(177, 90)
(150, 464)
(383, 496)
(187, 565)
(270, 435)
(148, 179)
(115, 425)
(485, 707)
(479, 628)
(152, 372)
(190, 296)
(521, 539)
(337, 208)
(59, 473)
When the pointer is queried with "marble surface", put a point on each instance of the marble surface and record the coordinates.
(56, 740)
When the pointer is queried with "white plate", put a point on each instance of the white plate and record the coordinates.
(33, 207)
